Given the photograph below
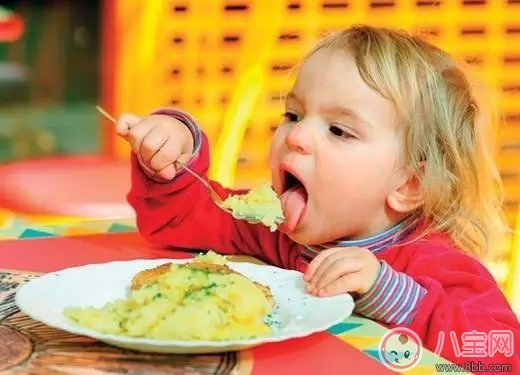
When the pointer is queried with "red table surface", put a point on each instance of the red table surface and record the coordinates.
(320, 353)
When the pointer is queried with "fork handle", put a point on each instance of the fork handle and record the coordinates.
(194, 174)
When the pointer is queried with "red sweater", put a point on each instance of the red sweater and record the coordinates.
(460, 295)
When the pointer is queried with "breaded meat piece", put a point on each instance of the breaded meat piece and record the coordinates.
(148, 276)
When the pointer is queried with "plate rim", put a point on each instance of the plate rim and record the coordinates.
(22, 303)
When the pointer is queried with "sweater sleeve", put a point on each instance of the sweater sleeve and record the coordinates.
(180, 213)
(463, 316)
(393, 298)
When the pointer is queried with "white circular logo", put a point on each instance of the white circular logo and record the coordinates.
(400, 349)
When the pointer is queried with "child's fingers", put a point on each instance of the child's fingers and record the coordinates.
(168, 152)
(137, 134)
(345, 284)
(315, 264)
(323, 270)
(152, 148)
(168, 172)
(124, 123)
(335, 271)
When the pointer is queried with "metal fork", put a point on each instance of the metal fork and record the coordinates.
(215, 197)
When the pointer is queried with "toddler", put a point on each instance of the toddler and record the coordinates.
(386, 184)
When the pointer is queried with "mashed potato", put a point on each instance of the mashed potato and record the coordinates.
(200, 300)
(260, 203)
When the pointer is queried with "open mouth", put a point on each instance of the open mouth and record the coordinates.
(290, 181)
(294, 200)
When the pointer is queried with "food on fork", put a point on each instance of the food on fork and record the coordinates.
(203, 299)
(260, 203)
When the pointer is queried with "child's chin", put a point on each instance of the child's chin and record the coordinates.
(303, 237)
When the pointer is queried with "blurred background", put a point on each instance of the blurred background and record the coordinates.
(228, 63)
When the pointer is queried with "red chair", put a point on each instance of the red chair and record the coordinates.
(75, 186)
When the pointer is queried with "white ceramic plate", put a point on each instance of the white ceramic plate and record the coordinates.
(297, 314)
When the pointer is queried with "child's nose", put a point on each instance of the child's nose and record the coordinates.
(299, 138)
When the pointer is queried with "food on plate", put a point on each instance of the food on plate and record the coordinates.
(260, 203)
(203, 299)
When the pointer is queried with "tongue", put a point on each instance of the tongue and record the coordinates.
(293, 203)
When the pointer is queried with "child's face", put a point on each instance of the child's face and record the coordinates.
(341, 141)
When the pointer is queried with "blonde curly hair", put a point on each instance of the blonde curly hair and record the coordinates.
(446, 129)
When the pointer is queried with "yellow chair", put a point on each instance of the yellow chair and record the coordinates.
(136, 35)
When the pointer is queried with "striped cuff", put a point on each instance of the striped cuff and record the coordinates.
(393, 298)
(192, 126)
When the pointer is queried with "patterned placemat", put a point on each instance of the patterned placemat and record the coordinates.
(30, 348)
(19, 229)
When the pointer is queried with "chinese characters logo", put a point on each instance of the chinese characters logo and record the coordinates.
(400, 349)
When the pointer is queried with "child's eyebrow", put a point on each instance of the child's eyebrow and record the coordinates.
(348, 112)
(292, 96)
(334, 109)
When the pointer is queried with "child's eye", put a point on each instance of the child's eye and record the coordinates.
(339, 132)
(290, 117)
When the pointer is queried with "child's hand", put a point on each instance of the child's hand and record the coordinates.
(158, 141)
(341, 270)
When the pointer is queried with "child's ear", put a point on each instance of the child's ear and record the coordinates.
(407, 196)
